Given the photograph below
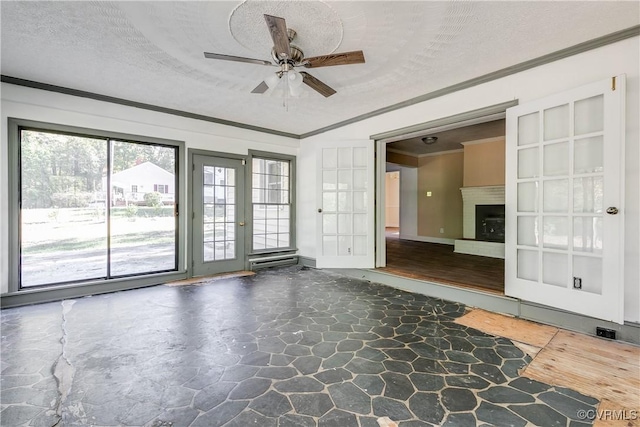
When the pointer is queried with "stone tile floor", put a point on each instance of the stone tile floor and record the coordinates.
(286, 347)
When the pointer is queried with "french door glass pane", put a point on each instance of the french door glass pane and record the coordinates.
(556, 159)
(556, 195)
(555, 268)
(588, 194)
(528, 265)
(143, 225)
(528, 230)
(587, 234)
(218, 213)
(63, 227)
(529, 129)
(587, 156)
(556, 122)
(556, 232)
(589, 115)
(589, 269)
(528, 197)
(528, 163)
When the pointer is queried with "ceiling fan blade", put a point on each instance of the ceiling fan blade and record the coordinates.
(345, 58)
(278, 29)
(317, 85)
(261, 88)
(236, 58)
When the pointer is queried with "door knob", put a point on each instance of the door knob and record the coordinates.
(319, 210)
(241, 224)
(612, 210)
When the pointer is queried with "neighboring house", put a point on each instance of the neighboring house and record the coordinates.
(130, 185)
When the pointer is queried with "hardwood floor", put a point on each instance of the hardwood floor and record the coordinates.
(438, 263)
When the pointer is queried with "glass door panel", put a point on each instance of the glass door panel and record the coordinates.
(63, 227)
(218, 215)
(142, 221)
(94, 208)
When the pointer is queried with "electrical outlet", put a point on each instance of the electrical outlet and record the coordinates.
(606, 333)
(428, 193)
(442, 231)
(577, 283)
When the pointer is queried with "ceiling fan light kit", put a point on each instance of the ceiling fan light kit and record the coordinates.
(288, 56)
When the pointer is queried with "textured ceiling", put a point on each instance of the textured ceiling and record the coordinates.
(152, 52)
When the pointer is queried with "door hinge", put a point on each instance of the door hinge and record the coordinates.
(613, 83)
(193, 215)
(193, 263)
(177, 209)
(193, 166)
(244, 162)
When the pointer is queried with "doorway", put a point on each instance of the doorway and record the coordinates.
(218, 238)
(436, 242)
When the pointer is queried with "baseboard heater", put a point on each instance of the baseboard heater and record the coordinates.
(272, 261)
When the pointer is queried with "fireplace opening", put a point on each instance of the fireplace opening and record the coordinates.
(490, 223)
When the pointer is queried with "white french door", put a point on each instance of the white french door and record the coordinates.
(564, 198)
(345, 213)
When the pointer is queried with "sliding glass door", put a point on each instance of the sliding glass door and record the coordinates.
(94, 208)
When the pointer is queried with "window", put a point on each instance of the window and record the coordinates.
(271, 203)
(161, 188)
(77, 222)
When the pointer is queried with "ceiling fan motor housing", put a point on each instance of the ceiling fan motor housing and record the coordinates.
(296, 55)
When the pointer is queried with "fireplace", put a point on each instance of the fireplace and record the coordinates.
(483, 221)
(490, 223)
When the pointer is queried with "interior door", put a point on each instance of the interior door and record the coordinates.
(218, 215)
(564, 197)
(345, 218)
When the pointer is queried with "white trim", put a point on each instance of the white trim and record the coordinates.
(381, 202)
(441, 240)
(484, 140)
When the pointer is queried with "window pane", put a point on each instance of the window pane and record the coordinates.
(143, 225)
(63, 217)
(270, 196)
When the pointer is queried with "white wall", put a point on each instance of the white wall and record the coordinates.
(618, 58)
(33, 104)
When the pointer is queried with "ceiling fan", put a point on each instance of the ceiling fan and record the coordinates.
(287, 56)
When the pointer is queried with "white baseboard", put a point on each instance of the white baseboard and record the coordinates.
(427, 239)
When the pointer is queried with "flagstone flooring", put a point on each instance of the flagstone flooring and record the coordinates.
(285, 347)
